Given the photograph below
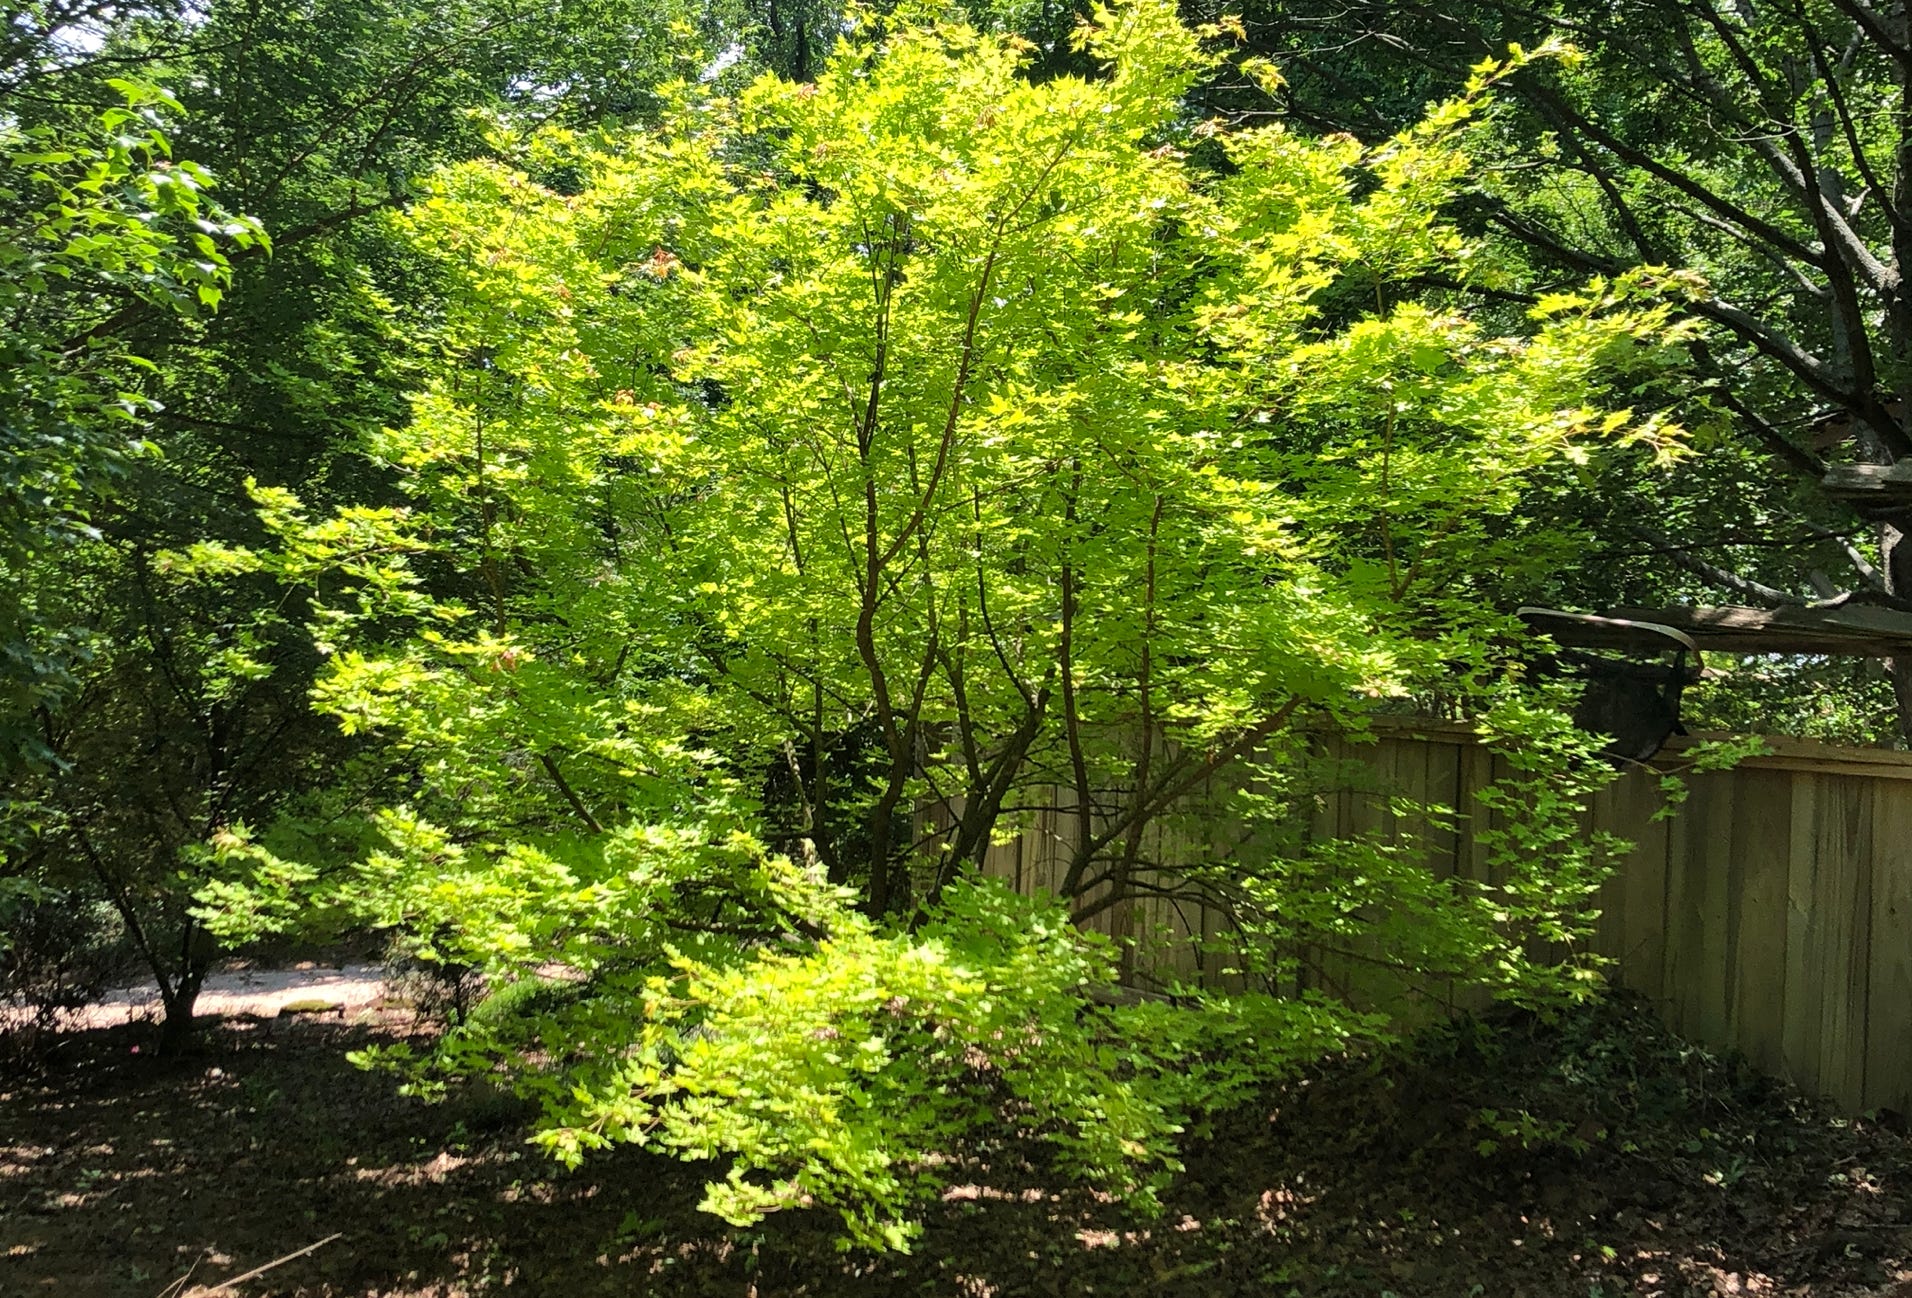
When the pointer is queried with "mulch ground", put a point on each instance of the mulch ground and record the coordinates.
(1595, 1156)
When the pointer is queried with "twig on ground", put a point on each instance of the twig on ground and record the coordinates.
(178, 1286)
(224, 1285)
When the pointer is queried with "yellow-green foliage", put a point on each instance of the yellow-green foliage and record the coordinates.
(926, 431)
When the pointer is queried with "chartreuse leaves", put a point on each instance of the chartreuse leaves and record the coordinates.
(926, 433)
(833, 1076)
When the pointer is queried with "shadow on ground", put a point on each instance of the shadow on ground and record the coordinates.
(1592, 1157)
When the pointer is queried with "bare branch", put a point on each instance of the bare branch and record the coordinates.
(1684, 557)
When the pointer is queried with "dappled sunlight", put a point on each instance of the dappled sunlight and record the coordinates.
(434, 1171)
(1364, 1175)
(981, 1193)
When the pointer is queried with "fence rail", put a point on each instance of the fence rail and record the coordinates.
(1770, 913)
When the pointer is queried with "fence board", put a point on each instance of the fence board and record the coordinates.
(1821, 896)
(1802, 1011)
(1642, 947)
(1772, 913)
(1362, 817)
(1685, 915)
(1609, 807)
(1888, 1082)
(1477, 772)
(1756, 916)
(1443, 788)
(1843, 898)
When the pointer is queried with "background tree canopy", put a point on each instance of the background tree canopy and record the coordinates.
(1761, 147)
(148, 715)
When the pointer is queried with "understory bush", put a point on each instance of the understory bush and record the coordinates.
(59, 952)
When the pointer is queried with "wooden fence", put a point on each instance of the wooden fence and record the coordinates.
(1771, 913)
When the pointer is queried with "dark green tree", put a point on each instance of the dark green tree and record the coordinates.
(160, 714)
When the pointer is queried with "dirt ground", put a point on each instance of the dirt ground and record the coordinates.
(242, 989)
(1593, 1157)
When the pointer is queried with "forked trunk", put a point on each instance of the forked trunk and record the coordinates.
(176, 1029)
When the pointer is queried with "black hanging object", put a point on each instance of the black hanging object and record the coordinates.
(1631, 691)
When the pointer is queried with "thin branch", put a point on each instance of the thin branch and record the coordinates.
(550, 765)
(257, 1271)
(1685, 558)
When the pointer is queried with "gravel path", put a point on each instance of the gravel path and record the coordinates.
(261, 992)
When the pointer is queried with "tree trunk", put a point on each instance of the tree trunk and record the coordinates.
(1896, 568)
(176, 1028)
(180, 994)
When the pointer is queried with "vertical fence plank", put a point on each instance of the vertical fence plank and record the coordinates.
(1330, 800)
(1697, 907)
(1401, 771)
(1848, 921)
(1802, 1009)
(1756, 915)
(1002, 861)
(1365, 817)
(1888, 1080)
(1442, 788)
(1042, 873)
(1477, 773)
(1828, 941)
(1609, 808)
(1643, 875)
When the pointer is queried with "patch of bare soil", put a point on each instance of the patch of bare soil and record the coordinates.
(241, 988)
(1593, 1157)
